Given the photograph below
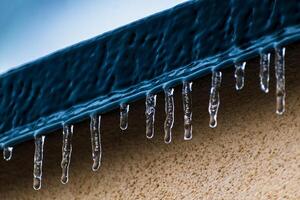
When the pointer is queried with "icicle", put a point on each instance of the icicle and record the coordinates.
(124, 109)
(187, 109)
(150, 115)
(38, 162)
(280, 80)
(239, 75)
(264, 72)
(66, 152)
(214, 100)
(7, 153)
(96, 141)
(169, 109)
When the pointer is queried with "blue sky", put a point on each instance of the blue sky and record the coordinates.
(30, 29)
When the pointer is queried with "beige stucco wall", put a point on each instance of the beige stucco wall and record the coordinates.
(252, 154)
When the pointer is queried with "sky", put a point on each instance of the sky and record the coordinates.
(30, 29)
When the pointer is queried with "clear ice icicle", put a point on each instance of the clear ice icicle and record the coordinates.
(150, 114)
(214, 100)
(96, 141)
(280, 80)
(169, 109)
(38, 162)
(239, 75)
(66, 152)
(187, 109)
(124, 109)
(264, 72)
(7, 153)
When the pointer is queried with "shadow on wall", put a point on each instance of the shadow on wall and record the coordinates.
(252, 153)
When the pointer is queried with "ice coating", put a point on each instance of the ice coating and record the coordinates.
(169, 110)
(96, 75)
(38, 162)
(66, 152)
(95, 125)
(280, 80)
(214, 99)
(187, 109)
(150, 104)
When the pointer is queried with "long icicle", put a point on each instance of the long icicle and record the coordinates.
(239, 75)
(169, 110)
(96, 141)
(187, 109)
(280, 80)
(38, 162)
(124, 109)
(264, 73)
(66, 152)
(214, 100)
(150, 114)
(7, 153)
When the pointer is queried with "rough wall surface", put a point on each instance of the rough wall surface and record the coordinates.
(97, 75)
(252, 154)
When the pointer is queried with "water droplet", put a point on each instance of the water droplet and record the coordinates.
(38, 162)
(124, 109)
(280, 80)
(96, 141)
(214, 100)
(187, 109)
(66, 152)
(150, 114)
(169, 109)
(7, 153)
(264, 73)
(239, 75)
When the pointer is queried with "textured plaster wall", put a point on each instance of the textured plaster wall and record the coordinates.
(252, 154)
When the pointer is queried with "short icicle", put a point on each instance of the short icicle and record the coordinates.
(239, 75)
(187, 109)
(214, 100)
(96, 141)
(66, 152)
(150, 114)
(169, 110)
(264, 73)
(7, 153)
(124, 109)
(280, 80)
(38, 162)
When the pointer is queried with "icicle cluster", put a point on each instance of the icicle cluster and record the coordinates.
(150, 104)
